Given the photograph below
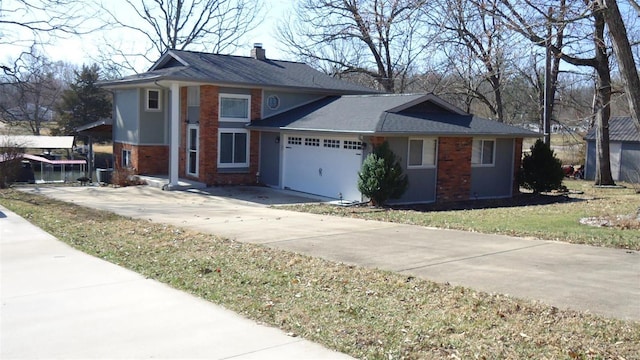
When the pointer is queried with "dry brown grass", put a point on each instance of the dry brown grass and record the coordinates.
(366, 313)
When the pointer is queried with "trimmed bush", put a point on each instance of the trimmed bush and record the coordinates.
(541, 170)
(381, 177)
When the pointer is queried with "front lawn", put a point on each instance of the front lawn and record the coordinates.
(368, 314)
(549, 217)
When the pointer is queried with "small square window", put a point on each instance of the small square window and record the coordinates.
(294, 141)
(352, 145)
(153, 100)
(483, 152)
(311, 142)
(422, 153)
(331, 143)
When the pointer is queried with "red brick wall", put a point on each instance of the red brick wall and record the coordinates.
(517, 162)
(454, 169)
(145, 159)
(208, 165)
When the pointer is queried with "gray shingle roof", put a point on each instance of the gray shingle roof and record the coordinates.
(621, 128)
(387, 115)
(192, 66)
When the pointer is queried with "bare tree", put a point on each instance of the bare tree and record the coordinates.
(34, 22)
(531, 23)
(622, 49)
(377, 38)
(31, 92)
(478, 40)
(204, 25)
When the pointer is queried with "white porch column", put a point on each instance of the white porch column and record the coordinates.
(174, 141)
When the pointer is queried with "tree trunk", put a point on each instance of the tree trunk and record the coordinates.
(622, 49)
(602, 105)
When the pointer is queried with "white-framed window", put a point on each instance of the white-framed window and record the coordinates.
(422, 153)
(236, 108)
(193, 96)
(193, 155)
(233, 148)
(153, 100)
(483, 153)
(126, 158)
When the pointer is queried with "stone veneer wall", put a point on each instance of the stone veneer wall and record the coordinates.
(454, 169)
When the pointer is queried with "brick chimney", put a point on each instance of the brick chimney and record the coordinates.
(258, 52)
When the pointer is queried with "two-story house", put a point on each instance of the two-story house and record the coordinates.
(222, 119)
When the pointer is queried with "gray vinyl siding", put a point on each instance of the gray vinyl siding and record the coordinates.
(288, 101)
(494, 181)
(630, 162)
(590, 166)
(270, 158)
(422, 182)
(126, 105)
(153, 124)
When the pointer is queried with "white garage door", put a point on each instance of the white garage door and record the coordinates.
(323, 165)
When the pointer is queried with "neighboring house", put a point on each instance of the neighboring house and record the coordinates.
(624, 149)
(222, 119)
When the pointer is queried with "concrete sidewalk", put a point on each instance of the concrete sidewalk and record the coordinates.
(58, 302)
(585, 278)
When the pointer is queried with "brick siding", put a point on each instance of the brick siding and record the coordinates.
(145, 159)
(454, 169)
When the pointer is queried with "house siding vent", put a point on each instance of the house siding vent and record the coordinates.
(258, 52)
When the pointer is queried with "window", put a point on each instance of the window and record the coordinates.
(332, 143)
(273, 102)
(193, 96)
(153, 100)
(352, 145)
(233, 148)
(126, 158)
(235, 107)
(483, 152)
(294, 141)
(311, 142)
(422, 153)
(192, 150)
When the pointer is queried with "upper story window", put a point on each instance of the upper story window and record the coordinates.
(422, 153)
(235, 107)
(193, 96)
(153, 100)
(483, 153)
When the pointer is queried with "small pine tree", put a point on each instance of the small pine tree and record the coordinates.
(381, 177)
(541, 170)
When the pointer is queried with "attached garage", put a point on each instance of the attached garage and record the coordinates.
(322, 165)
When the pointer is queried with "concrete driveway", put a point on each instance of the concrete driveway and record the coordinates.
(598, 280)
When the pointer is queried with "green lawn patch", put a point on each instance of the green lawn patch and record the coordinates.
(549, 217)
(366, 313)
